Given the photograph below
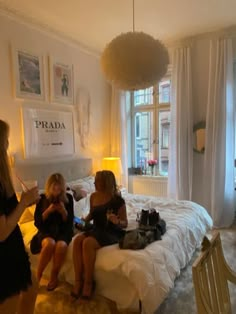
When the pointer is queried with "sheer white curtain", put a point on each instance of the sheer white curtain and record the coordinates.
(181, 129)
(118, 129)
(220, 133)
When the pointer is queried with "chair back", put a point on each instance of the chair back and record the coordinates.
(210, 277)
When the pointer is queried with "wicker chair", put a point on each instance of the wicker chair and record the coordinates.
(210, 277)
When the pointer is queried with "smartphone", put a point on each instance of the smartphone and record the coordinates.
(79, 221)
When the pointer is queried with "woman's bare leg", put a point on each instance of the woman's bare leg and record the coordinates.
(58, 260)
(10, 305)
(90, 247)
(27, 298)
(78, 262)
(48, 247)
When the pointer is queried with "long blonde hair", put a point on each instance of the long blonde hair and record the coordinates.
(108, 181)
(56, 178)
(6, 185)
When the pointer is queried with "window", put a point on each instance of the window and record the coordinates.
(150, 124)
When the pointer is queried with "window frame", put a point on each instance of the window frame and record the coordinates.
(155, 109)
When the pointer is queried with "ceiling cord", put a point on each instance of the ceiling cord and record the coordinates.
(133, 18)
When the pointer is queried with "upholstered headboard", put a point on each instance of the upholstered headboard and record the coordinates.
(40, 170)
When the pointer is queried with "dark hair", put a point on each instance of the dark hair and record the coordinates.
(108, 181)
(56, 178)
(6, 185)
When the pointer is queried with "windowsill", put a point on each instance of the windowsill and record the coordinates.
(148, 176)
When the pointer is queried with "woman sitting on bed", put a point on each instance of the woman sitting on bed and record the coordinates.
(54, 217)
(108, 212)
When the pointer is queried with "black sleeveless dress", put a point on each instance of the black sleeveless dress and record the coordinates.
(15, 274)
(104, 231)
(54, 226)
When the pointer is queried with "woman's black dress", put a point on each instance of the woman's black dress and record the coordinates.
(15, 274)
(54, 226)
(104, 231)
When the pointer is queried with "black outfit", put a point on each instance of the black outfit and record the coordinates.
(54, 226)
(15, 274)
(104, 231)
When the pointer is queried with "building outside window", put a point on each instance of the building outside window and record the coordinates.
(150, 125)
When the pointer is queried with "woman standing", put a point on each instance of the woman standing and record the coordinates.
(54, 216)
(108, 212)
(16, 290)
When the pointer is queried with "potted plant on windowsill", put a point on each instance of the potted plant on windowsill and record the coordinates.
(152, 163)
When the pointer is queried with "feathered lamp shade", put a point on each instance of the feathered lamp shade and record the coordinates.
(134, 60)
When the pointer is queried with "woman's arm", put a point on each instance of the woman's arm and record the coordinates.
(69, 216)
(41, 213)
(8, 223)
(89, 217)
(122, 216)
(47, 212)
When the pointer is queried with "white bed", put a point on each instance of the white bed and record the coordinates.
(126, 276)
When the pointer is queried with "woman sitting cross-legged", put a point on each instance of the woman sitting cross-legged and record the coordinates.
(108, 212)
(54, 217)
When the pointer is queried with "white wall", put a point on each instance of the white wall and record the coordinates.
(86, 74)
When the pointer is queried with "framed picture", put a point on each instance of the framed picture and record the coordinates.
(28, 75)
(61, 82)
(47, 133)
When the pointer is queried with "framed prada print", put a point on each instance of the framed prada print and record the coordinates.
(47, 133)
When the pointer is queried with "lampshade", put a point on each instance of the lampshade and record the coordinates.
(113, 164)
(134, 60)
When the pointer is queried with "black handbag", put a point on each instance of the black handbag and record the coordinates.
(151, 220)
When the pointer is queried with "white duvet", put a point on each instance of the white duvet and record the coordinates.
(127, 276)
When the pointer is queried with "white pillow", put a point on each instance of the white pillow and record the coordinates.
(86, 184)
(82, 207)
(28, 214)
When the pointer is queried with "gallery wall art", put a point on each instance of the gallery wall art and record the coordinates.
(47, 133)
(28, 74)
(61, 82)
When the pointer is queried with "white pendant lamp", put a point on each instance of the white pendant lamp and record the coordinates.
(134, 60)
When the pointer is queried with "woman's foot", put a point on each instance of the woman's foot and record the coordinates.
(39, 276)
(88, 291)
(77, 289)
(53, 283)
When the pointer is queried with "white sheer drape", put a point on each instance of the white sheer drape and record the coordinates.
(181, 129)
(219, 153)
(118, 129)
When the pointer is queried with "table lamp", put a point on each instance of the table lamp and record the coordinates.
(113, 164)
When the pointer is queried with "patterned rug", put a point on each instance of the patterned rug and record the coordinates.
(181, 299)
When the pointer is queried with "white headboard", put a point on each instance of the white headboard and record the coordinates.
(40, 170)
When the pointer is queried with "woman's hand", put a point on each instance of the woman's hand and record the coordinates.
(51, 208)
(30, 197)
(61, 209)
(114, 219)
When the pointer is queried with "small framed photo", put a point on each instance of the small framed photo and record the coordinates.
(28, 74)
(61, 82)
